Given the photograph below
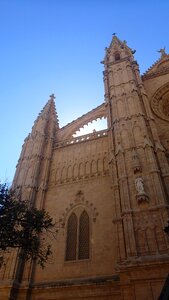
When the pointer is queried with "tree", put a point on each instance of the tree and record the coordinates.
(24, 227)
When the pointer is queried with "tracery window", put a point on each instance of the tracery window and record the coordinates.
(78, 236)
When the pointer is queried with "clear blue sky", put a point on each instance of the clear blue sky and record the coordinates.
(50, 46)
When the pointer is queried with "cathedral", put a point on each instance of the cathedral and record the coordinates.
(108, 191)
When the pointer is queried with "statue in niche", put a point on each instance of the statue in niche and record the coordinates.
(141, 196)
(139, 183)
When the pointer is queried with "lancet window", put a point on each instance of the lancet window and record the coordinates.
(117, 56)
(78, 236)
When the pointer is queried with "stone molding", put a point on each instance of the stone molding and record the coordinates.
(79, 200)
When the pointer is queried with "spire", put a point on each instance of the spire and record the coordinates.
(117, 50)
(52, 109)
(48, 113)
(37, 146)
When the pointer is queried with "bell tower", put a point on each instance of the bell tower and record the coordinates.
(140, 180)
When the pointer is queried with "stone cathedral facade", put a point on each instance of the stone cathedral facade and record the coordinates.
(107, 191)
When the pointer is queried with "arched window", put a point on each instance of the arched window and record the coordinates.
(83, 236)
(117, 56)
(78, 232)
(71, 244)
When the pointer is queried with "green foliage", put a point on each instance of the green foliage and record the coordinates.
(23, 226)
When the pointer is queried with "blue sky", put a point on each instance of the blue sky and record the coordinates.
(50, 46)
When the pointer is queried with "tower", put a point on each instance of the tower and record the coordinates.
(139, 168)
(33, 166)
(107, 191)
(30, 183)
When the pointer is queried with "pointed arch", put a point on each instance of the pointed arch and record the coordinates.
(75, 171)
(87, 169)
(125, 138)
(83, 251)
(57, 175)
(116, 78)
(100, 165)
(52, 176)
(138, 136)
(77, 246)
(116, 56)
(94, 167)
(121, 108)
(71, 241)
(131, 106)
(105, 164)
(63, 174)
(69, 172)
(81, 169)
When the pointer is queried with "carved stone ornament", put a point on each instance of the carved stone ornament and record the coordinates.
(79, 200)
(162, 52)
(160, 103)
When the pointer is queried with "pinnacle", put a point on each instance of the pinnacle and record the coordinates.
(116, 39)
(49, 111)
(117, 50)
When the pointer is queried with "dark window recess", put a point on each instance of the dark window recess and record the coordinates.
(117, 56)
(83, 236)
(78, 232)
(71, 243)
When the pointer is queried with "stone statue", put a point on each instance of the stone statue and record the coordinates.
(162, 51)
(139, 183)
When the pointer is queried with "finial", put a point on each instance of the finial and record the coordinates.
(52, 97)
(114, 33)
(162, 51)
(133, 51)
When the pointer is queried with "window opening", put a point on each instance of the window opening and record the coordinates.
(117, 56)
(78, 237)
(83, 236)
(71, 243)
